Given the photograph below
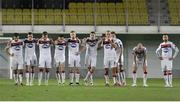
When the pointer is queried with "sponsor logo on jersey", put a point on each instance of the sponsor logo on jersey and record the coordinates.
(60, 47)
(107, 46)
(92, 44)
(45, 46)
(73, 45)
(30, 45)
(17, 48)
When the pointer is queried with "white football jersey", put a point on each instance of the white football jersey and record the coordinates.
(166, 49)
(16, 47)
(73, 46)
(30, 47)
(109, 51)
(91, 46)
(45, 47)
(60, 48)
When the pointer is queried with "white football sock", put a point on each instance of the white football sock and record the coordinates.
(166, 79)
(87, 75)
(40, 74)
(170, 79)
(123, 77)
(106, 79)
(31, 78)
(114, 80)
(20, 78)
(77, 76)
(58, 76)
(63, 77)
(91, 78)
(119, 78)
(46, 77)
(27, 78)
(144, 78)
(71, 77)
(134, 75)
(15, 78)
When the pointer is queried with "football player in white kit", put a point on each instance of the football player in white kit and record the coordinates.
(15, 50)
(109, 58)
(59, 58)
(91, 46)
(166, 56)
(139, 60)
(74, 57)
(30, 58)
(119, 59)
(45, 59)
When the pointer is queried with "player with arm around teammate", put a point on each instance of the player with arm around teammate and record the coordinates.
(139, 60)
(166, 56)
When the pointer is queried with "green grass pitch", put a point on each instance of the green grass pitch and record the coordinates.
(53, 92)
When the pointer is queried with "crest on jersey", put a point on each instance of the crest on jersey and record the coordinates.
(107, 46)
(92, 44)
(30, 45)
(45, 46)
(17, 48)
(73, 45)
(60, 47)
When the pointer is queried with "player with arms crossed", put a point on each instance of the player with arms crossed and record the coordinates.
(15, 50)
(91, 46)
(109, 58)
(139, 59)
(166, 57)
(30, 58)
(59, 58)
(74, 57)
(119, 59)
(45, 59)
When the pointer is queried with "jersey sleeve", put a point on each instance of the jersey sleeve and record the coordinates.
(157, 50)
(134, 51)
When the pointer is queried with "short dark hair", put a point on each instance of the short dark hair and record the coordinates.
(29, 33)
(72, 31)
(61, 35)
(113, 32)
(103, 35)
(93, 32)
(16, 34)
(45, 33)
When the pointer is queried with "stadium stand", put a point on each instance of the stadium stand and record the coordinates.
(174, 9)
(82, 12)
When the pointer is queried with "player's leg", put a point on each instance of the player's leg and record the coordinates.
(20, 75)
(47, 69)
(122, 74)
(77, 70)
(169, 73)
(32, 74)
(15, 76)
(91, 75)
(88, 64)
(118, 75)
(164, 69)
(58, 76)
(145, 74)
(27, 75)
(32, 70)
(114, 70)
(40, 70)
(71, 65)
(134, 75)
(47, 75)
(20, 70)
(63, 76)
(106, 74)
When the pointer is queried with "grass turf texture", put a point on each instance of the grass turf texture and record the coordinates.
(53, 92)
